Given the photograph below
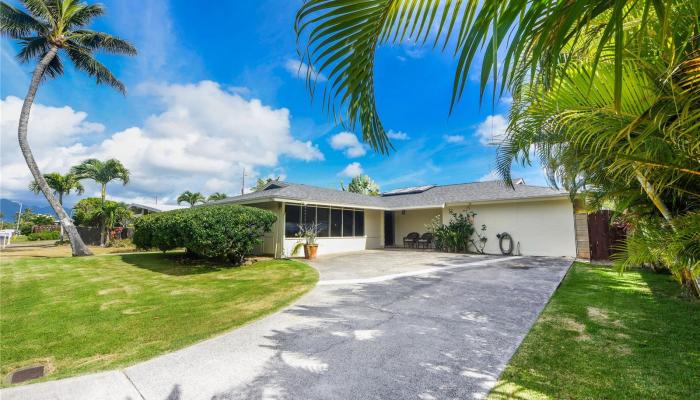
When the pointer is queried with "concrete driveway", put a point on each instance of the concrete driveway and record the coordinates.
(380, 325)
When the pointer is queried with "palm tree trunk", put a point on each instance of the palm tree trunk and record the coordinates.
(103, 225)
(693, 284)
(76, 242)
(60, 201)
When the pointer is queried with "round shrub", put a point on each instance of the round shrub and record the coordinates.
(223, 231)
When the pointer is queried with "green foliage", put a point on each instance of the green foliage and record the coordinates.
(307, 235)
(191, 198)
(60, 184)
(652, 241)
(102, 172)
(362, 184)
(61, 24)
(217, 196)
(220, 231)
(84, 211)
(44, 235)
(29, 220)
(459, 233)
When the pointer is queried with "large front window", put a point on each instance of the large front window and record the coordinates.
(332, 221)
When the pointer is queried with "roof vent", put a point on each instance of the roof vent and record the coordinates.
(408, 190)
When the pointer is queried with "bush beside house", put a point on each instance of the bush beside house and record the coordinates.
(224, 231)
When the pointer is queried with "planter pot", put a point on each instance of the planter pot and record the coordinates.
(310, 251)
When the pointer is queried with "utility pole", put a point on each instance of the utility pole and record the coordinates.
(243, 182)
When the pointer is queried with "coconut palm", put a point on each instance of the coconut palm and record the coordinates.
(217, 196)
(102, 172)
(61, 185)
(47, 28)
(191, 198)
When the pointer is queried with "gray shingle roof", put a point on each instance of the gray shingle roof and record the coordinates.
(435, 196)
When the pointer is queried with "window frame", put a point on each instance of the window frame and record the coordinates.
(303, 209)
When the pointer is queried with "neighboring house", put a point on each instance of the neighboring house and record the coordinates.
(540, 219)
(145, 209)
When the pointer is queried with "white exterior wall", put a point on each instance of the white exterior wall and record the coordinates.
(412, 221)
(268, 245)
(373, 239)
(543, 227)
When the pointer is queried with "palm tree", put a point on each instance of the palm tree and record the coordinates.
(217, 196)
(102, 172)
(111, 212)
(61, 185)
(47, 28)
(191, 198)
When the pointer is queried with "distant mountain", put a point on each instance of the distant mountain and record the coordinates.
(9, 209)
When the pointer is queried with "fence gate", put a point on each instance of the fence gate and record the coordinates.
(602, 236)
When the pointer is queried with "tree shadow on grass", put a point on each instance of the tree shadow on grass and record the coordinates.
(175, 264)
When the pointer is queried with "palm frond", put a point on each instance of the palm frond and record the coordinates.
(17, 24)
(102, 41)
(79, 14)
(44, 9)
(83, 60)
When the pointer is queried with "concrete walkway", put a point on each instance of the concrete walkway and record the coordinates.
(441, 327)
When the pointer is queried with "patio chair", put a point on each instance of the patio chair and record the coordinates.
(426, 240)
(411, 239)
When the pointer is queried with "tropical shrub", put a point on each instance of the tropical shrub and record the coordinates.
(223, 231)
(458, 234)
(44, 235)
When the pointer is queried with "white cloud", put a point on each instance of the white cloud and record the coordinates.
(492, 131)
(201, 140)
(397, 135)
(507, 100)
(491, 176)
(454, 138)
(348, 142)
(352, 170)
(299, 69)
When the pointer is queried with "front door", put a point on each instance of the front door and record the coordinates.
(388, 228)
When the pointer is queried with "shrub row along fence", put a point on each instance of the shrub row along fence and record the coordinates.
(225, 231)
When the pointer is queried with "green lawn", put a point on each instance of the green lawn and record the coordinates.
(87, 314)
(609, 336)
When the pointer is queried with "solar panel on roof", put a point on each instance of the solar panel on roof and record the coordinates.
(408, 190)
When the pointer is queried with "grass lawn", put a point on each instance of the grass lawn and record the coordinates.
(609, 336)
(85, 314)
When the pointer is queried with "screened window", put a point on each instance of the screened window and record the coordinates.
(323, 216)
(332, 222)
(336, 222)
(292, 220)
(359, 223)
(347, 222)
(309, 215)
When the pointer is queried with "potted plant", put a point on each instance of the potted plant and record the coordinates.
(307, 239)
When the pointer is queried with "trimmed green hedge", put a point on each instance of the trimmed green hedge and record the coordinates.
(224, 231)
(45, 235)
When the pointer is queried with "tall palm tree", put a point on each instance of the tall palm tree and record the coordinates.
(50, 27)
(191, 198)
(102, 172)
(217, 196)
(61, 185)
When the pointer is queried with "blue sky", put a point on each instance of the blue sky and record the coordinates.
(211, 93)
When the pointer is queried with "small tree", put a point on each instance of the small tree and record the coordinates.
(261, 183)
(191, 198)
(217, 196)
(61, 185)
(111, 213)
(362, 184)
(459, 233)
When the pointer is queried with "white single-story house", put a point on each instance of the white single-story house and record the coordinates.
(540, 220)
